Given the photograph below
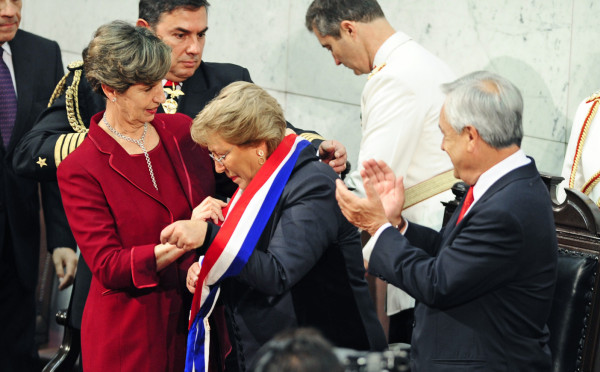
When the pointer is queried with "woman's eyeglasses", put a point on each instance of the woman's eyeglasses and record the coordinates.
(221, 158)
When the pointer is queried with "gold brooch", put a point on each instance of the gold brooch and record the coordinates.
(170, 105)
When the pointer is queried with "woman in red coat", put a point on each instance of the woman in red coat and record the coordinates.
(135, 173)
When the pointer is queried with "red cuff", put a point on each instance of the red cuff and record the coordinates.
(143, 266)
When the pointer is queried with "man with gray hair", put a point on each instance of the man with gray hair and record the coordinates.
(400, 108)
(484, 284)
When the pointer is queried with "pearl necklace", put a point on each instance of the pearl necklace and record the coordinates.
(139, 142)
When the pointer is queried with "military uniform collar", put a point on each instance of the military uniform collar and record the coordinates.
(386, 49)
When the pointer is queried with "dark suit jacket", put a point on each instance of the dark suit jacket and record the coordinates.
(306, 270)
(38, 67)
(135, 317)
(483, 287)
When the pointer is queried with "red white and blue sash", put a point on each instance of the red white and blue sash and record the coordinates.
(245, 219)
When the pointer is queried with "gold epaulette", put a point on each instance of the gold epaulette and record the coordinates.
(311, 136)
(69, 141)
(71, 96)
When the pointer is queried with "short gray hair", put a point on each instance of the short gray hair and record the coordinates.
(121, 55)
(326, 15)
(489, 103)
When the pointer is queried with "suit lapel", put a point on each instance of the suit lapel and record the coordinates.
(452, 229)
(120, 161)
(23, 65)
(199, 90)
(174, 152)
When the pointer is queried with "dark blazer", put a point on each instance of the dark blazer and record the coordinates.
(483, 287)
(306, 270)
(38, 67)
(135, 317)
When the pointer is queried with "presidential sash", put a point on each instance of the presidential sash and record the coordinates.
(245, 219)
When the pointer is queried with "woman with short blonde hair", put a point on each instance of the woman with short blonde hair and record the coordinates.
(284, 256)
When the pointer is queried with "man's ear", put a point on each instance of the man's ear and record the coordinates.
(473, 136)
(142, 23)
(348, 27)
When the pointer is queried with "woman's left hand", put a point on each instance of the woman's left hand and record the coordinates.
(185, 234)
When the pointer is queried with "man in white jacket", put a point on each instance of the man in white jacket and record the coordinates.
(400, 108)
(581, 168)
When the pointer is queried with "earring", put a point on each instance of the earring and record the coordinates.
(261, 159)
(114, 99)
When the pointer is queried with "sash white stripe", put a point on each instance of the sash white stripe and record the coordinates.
(248, 221)
(243, 227)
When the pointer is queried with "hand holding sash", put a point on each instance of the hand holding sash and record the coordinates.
(210, 209)
(185, 234)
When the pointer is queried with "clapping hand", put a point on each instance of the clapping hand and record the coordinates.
(388, 188)
(384, 201)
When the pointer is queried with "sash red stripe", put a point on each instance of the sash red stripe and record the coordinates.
(218, 245)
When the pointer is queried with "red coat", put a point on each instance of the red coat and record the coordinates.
(135, 319)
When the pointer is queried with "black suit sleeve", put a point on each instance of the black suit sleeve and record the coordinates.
(58, 233)
(483, 257)
(53, 138)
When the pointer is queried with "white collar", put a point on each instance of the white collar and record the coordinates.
(499, 170)
(388, 47)
(6, 48)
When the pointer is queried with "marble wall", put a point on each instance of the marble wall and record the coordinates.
(547, 47)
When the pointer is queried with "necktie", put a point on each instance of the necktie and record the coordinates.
(8, 102)
(466, 204)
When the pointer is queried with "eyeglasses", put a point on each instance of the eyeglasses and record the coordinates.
(221, 158)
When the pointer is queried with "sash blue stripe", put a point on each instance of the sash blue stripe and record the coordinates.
(197, 333)
(264, 213)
